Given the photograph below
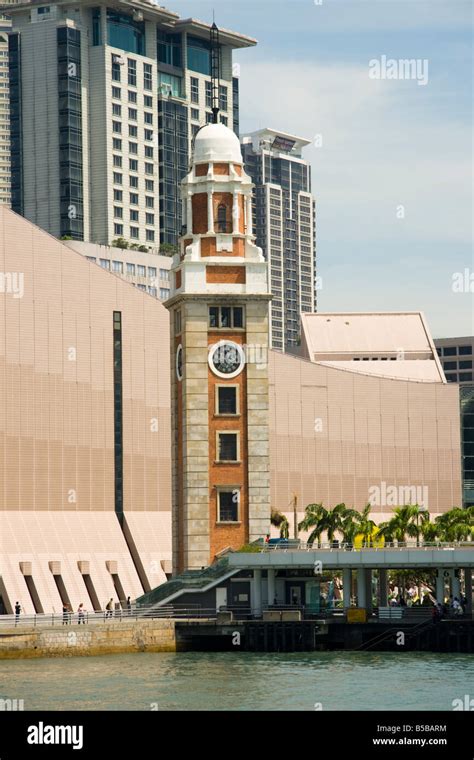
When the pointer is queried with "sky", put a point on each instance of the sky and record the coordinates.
(392, 158)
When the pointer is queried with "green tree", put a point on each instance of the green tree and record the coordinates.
(456, 525)
(364, 525)
(279, 520)
(120, 242)
(314, 520)
(168, 249)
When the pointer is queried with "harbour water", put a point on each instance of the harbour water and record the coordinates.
(233, 681)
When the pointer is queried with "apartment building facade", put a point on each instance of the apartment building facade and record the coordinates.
(284, 225)
(106, 98)
(457, 356)
(5, 176)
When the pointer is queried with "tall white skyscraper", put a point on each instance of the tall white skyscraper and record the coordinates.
(5, 176)
(284, 224)
(105, 100)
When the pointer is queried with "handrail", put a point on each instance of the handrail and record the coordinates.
(297, 545)
(105, 616)
(386, 634)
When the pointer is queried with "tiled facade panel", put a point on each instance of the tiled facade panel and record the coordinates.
(335, 434)
(56, 382)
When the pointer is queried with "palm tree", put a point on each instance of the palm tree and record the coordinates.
(335, 520)
(315, 518)
(456, 525)
(364, 525)
(279, 520)
(403, 523)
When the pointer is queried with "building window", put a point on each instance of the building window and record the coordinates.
(132, 130)
(150, 219)
(151, 271)
(148, 117)
(450, 365)
(117, 178)
(150, 235)
(148, 101)
(209, 118)
(169, 49)
(148, 151)
(194, 90)
(148, 168)
(132, 72)
(91, 258)
(134, 199)
(465, 377)
(141, 270)
(115, 72)
(153, 291)
(149, 185)
(118, 161)
(148, 134)
(177, 322)
(208, 95)
(227, 447)
(132, 114)
(452, 378)
(133, 148)
(164, 274)
(164, 293)
(118, 229)
(223, 225)
(228, 505)
(194, 130)
(132, 96)
(226, 317)
(223, 102)
(118, 212)
(142, 287)
(116, 93)
(133, 215)
(450, 350)
(465, 364)
(465, 350)
(199, 56)
(124, 33)
(133, 164)
(149, 201)
(116, 143)
(117, 266)
(195, 114)
(134, 232)
(104, 263)
(116, 109)
(147, 77)
(227, 399)
(130, 268)
(133, 181)
(224, 120)
(117, 127)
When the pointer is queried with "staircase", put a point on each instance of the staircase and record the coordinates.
(188, 581)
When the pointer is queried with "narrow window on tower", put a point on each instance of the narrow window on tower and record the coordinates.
(222, 225)
(118, 415)
(227, 447)
(228, 505)
(225, 317)
(227, 399)
(177, 322)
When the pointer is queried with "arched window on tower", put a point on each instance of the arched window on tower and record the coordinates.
(222, 222)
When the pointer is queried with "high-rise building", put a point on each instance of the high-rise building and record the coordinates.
(5, 178)
(105, 100)
(284, 224)
(457, 356)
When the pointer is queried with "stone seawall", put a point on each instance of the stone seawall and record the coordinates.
(91, 639)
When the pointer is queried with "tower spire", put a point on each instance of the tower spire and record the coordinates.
(215, 71)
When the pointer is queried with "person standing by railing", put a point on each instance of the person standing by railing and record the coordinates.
(81, 614)
(65, 614)
(17, 612)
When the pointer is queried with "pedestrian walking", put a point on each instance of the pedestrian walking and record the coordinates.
(81, 614)
(109, 607)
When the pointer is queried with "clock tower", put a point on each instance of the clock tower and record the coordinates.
(219, 345)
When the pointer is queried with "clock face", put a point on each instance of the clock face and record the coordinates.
(226, 359)
(179, 362)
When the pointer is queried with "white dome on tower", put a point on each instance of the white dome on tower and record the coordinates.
(216, 142)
